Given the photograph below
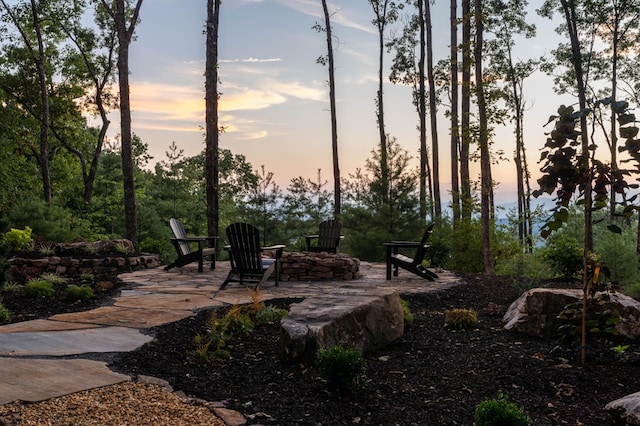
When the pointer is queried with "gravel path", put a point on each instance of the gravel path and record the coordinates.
(126, 403)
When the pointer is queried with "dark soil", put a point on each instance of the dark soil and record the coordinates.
(23, 308)
(431, 376)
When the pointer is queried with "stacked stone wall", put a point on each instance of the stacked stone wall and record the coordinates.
(307, 266)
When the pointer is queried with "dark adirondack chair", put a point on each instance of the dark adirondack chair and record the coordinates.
(396, 260)
(184, 247)
(328, 238)
(246, 256)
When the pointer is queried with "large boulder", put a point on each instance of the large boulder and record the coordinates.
(536, 311)
(625, 411)
(365, 322)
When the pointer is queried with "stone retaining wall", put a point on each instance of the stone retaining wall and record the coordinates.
(76, 259)
(307, 266)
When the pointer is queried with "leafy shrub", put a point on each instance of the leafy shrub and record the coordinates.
(18, 239)
(76, 292)
(500, 412)
(53, 278)
(407, 314)
(602, 318)
(269, 314)
(461, 319)
(5, 315)
(11, 287)
(564, 254)
(341, 367)
(38, 288)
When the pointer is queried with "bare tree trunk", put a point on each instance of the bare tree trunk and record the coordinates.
(422, 112)
(465, 175)
(455, 129)
(485, 155)
(43, 157)
(433, 112)
(337, 193)
(211, 119)
(125, 35)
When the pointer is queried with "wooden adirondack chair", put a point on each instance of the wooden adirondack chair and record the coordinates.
(328, 237)
(183, 246)
(245, 255)
(395, 259)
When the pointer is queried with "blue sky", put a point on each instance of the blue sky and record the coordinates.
(274, 100)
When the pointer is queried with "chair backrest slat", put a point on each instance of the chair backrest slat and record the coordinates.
(179, 232)
(421, 252)
(244, 242)
(329, 233)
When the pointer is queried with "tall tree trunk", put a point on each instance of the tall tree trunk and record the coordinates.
(465, 175)
(433, 112)
(422, 112)
(485, 155)
(455, 129)
(125, 34)
(211, 119)
(614, 89)
(337, 193)
(43, 157)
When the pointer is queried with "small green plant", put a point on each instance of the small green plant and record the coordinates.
(38, 288)
(621, 352)
(11, 287)
(341, 367)
(5, 315)
(90, 249)
(407, 314)
(122, 248)
(461, 319)
(88, 277)
(47, 249)
(18, 239)
(54, 279)
(500, 412)
(76, 292)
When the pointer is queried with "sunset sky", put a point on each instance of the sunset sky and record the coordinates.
(274, 97)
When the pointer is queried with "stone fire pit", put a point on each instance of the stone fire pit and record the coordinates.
(308, 266)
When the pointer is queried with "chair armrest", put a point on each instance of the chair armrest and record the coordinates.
(276, 247)
(408, 244)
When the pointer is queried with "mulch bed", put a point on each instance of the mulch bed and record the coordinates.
(432, 375)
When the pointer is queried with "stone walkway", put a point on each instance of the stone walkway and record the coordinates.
(42, 359)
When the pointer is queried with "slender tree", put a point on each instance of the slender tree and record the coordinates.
(433, 112)
(386, 12)
(120, 13)
(455, 125)
(485, 155)
(465, 123)
(328, 60)
(29, 20)
(211, 119)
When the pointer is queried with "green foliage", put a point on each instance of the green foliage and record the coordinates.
(18, 239)
(602, 318)
(341, 367)
(460, 319)
(269, 314)
(11, 287)
(5, 315)
(51, 223)
(500, 412)
(76, 292)
(370, 216)
(408, 316)
(38, 288)
(54, 279)
(564, 255)
(527, 268)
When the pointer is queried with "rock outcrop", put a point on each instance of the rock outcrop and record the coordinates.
(365, 322)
